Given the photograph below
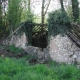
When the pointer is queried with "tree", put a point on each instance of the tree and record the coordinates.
(75, 9)
(0, 13)
(29, 13)
(5, 13)
(14, 13)
(2, 20)
(1, 24)
(29, 9)
(69, 12)
(62, 6)
(43, 13)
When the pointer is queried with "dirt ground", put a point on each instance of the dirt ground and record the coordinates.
(4, 52)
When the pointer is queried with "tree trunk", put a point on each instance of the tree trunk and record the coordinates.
(29, 9)
(62, 6)
(42, 13)
(75, 9)
(0, 13)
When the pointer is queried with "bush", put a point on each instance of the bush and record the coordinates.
(58, 23)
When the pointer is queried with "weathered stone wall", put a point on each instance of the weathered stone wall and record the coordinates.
(37, 53)
(62, 49)
(19, 40)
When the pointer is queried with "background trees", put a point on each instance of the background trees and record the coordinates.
(13, 12)
(75, 9)
(62, 6)
(3, 23)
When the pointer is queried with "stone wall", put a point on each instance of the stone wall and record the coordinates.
(19, 40)
(62, 49)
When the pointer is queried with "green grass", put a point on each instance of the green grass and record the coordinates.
(19, 69)
(14, 49)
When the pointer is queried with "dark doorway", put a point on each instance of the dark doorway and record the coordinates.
(40, 37)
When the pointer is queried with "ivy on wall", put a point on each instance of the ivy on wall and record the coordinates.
(58, 23)
(27, 28)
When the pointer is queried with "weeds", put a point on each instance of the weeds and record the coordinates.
(14, 49)
(19, 69)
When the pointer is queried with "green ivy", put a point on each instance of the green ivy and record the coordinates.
(58, 23)
(27, 28)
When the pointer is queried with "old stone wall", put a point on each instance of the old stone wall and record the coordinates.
(62, 49)
(19, 40)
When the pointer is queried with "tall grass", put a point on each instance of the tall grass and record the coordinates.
(19, 69)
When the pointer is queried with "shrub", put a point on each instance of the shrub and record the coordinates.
(58, 23)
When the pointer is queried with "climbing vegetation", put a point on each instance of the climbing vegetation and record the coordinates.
(27, 28)
(58, 23)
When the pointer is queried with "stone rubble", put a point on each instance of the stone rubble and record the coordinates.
(37, 53)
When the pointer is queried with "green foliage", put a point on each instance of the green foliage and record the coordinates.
(27, 28)
(75, 9)
(26, 15)
(69, 13)
(2, 21)
(19, 69)
(14, 13)
(14, 49)
(58, 23)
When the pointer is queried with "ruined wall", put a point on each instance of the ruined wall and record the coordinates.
(19, 40)
(62, 49)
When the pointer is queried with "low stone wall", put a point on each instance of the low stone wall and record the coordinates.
(62, 49)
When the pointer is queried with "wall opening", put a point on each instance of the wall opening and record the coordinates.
(40, 36)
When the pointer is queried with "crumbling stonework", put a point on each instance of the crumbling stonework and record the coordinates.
(37, 53)
(62, 49)
(19, 40)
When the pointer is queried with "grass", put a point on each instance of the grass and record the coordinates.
(14, 49)
(19, 69)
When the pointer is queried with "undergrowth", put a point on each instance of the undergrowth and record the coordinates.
(58, 23)
(14, 49)
(19, 69)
